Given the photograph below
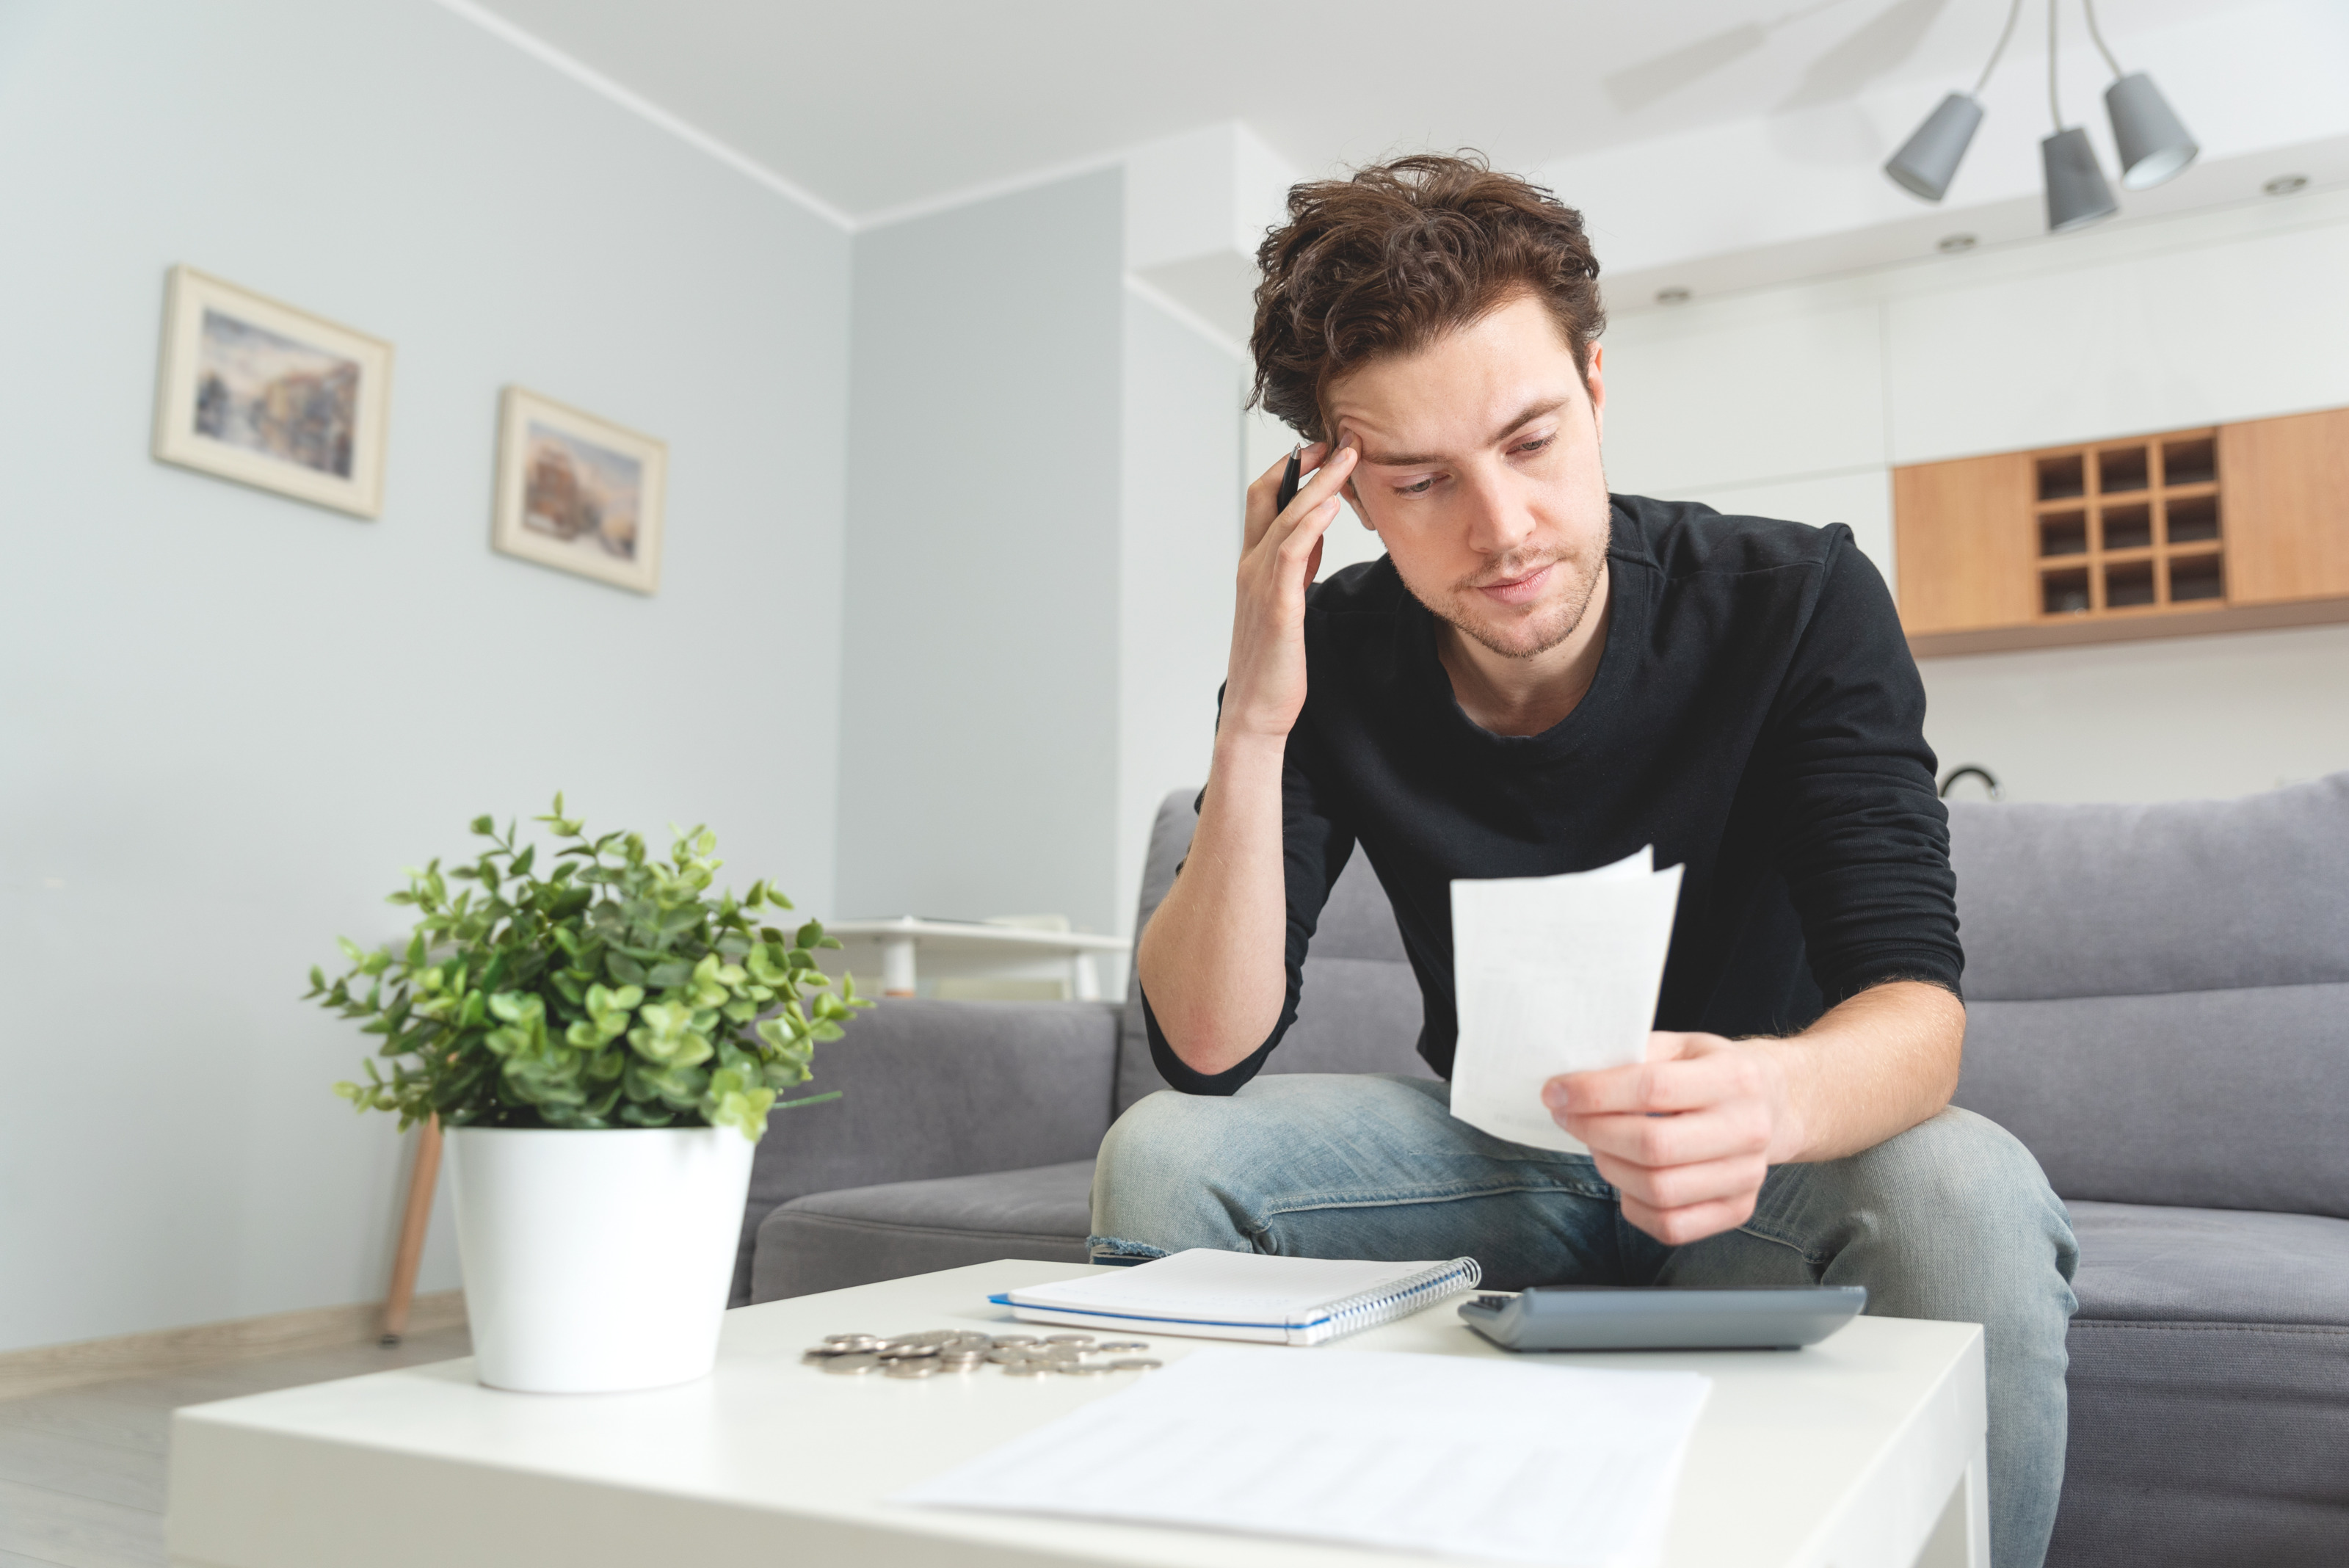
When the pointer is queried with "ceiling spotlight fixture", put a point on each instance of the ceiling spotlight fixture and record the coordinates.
(2076, 192)
(1672, 297)
(1929, 160)
(2154, 144)
(2285, 185)
(1950, 244)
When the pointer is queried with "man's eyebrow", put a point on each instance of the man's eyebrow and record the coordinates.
(1532, 412)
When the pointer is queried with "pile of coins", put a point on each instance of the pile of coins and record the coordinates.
(943, 1350)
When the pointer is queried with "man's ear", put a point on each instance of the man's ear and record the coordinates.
(1596, 384)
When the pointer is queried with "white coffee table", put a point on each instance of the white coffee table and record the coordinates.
(1864, 1450)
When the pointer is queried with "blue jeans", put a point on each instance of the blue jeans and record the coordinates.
(1951, 1220)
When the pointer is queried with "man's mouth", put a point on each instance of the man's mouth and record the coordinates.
(1518, 590)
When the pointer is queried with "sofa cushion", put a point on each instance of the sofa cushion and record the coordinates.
(2210, 1391)
(2138, 900)
(2218, 1099)
(938, 1089)
(830, 1241)
(1359, 1010)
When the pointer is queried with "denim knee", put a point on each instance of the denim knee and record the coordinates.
(1964, 1199)
(1148, 1195)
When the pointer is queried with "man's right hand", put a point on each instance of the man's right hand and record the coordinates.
(1213, 959)
(1264, 687)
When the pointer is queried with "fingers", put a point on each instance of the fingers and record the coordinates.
(1318, 495)
(1739, 1129)
(1671, 1080)
(1679, 1227)
(1267, 490)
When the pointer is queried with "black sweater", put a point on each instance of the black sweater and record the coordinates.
(1755, 716)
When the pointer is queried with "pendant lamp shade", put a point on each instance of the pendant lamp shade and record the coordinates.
(1929, 158)
(2076, 191)
(2154, 145)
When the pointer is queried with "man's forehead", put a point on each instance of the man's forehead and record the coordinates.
(1471, 386)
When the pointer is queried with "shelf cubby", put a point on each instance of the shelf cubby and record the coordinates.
(2129, 527)
(2064, 592)
(2196, 579)
(2128, 585)
(2062, 478)
(2122, 470)
(2064, 534)
(2192, 520)
(2191, 460)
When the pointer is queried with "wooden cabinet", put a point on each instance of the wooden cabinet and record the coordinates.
(2290, 480)
(2216, 529)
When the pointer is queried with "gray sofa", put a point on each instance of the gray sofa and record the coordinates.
(2158, 1004)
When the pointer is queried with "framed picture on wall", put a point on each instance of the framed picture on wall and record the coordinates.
(578, 493)
(260, 393)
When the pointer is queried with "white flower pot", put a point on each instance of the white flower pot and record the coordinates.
(597, 1262)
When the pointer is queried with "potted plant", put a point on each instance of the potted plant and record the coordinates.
(603, 1043)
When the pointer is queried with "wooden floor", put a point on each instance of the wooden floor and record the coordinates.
(82, 1471)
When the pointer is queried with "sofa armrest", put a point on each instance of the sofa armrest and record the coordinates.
(940, 1088)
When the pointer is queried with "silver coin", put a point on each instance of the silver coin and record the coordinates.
(1136, 1363)
(1082, 1369)
(1068, 1339)
(911, 1370)
(977, 1342)
(1003, 1339)
(1007, 1357)
(971, 1366)
(846, 1339)
(1108, 1345)
(909, 1353)
(852, 1365)
(1025, 1369)
(963, 1357)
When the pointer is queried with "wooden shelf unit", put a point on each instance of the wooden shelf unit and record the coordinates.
(2125, 527)
(2211, 529)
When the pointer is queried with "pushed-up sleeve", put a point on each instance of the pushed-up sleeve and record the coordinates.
(1864, 838)
(1315, 848)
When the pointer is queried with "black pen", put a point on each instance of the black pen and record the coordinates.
(1289, 478)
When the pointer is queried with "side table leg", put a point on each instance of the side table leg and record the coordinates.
(1960, 1537)
(896, 966)
(422, 1177)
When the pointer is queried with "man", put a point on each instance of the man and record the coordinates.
(1538, 678)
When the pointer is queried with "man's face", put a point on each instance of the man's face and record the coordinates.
(1480, 471)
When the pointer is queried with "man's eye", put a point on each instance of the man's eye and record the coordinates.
(1537, 445)
(1422, 488)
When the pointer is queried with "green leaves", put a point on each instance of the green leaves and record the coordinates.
(616, 990)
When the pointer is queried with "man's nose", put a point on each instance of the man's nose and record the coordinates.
(1498, 519)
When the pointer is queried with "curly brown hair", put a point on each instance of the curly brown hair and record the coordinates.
(1402, 251)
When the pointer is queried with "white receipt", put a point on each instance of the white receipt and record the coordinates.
(1554, 974)
(1501, 1460)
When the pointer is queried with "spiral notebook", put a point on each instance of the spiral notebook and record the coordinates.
(1244, 1295)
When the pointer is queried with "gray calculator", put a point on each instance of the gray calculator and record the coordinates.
(1631, 1317)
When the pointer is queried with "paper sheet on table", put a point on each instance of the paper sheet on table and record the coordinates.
(1506, 1461)
(1554, 974)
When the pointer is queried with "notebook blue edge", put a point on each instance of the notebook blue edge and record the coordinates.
(1005, 1299)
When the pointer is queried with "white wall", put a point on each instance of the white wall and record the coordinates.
(1797, 402)
(980, 734)
(230, 719)
(1178, 550)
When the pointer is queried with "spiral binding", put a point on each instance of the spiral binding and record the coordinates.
(1372, 1308)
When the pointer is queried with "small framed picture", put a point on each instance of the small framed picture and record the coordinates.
(260, 393)
(578, 493)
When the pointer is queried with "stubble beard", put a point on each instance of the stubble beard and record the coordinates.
(1528, 638)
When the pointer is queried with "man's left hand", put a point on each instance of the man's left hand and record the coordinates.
(1687, 1136)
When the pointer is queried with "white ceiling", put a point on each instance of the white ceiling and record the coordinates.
(881, 104)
